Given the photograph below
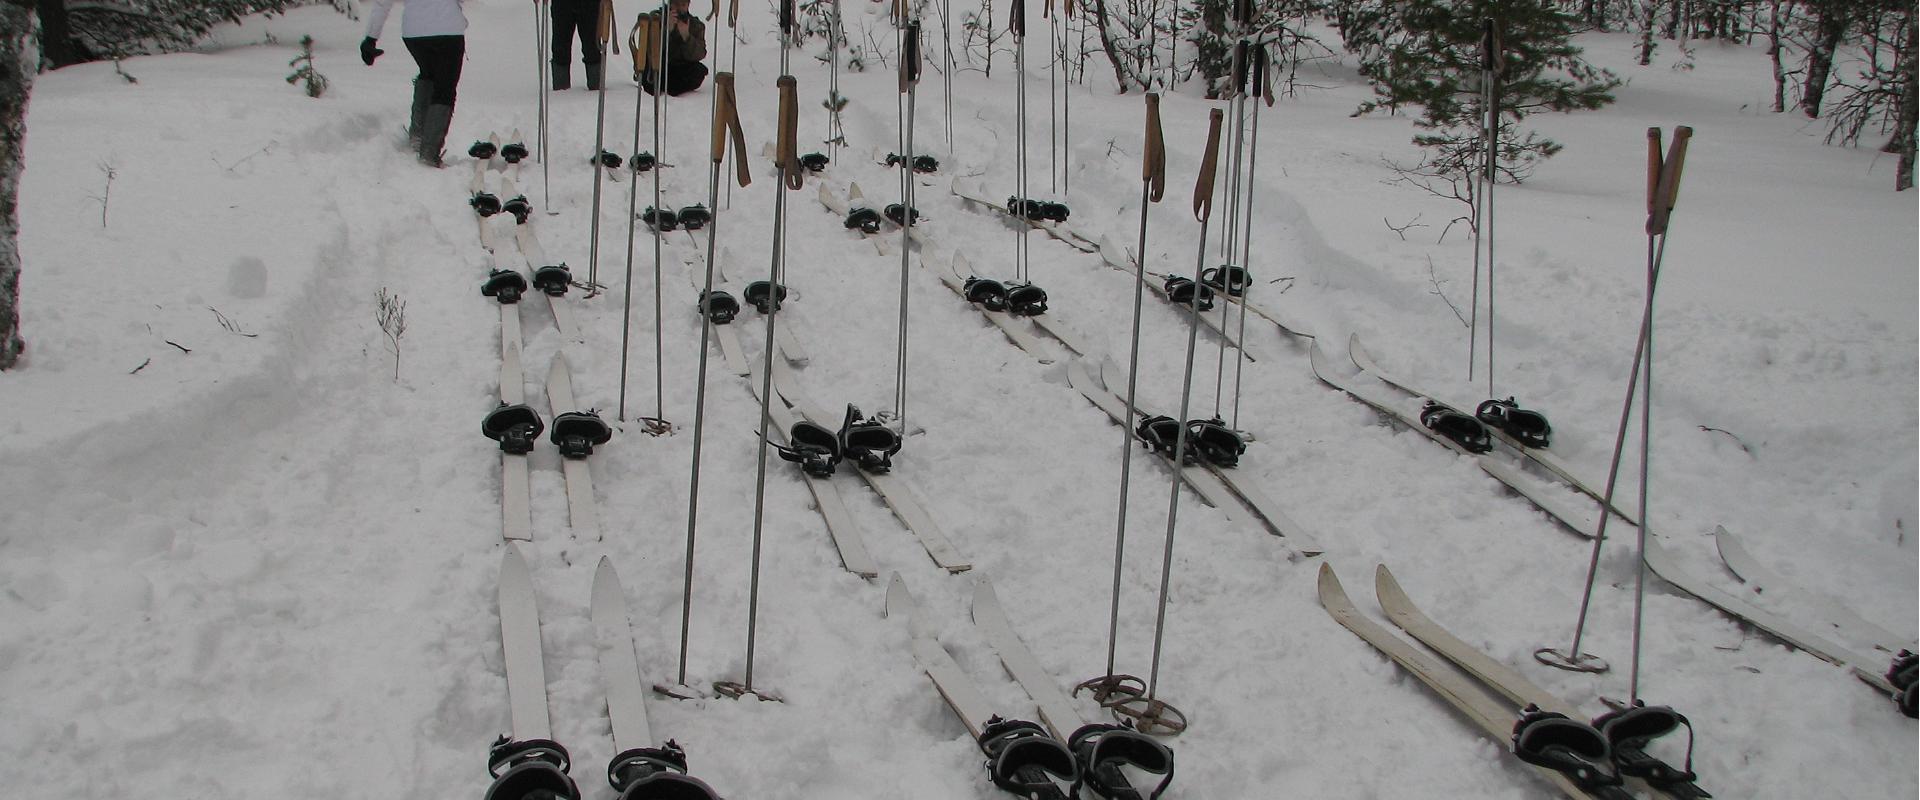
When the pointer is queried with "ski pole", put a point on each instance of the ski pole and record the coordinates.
(1231, 230)
(1202, 210)
(791, 177)
(540, 34)
(909, 86)
(725, 121)
(1153, 186)
(1017, 25)
(601, 36)
(1662, 192)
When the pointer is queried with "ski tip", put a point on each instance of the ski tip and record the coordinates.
(1330, 588)
(899, 600)
(605, 573)
(983, 595)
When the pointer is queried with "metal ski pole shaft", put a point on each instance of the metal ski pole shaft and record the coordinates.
(1258, 77)
(1153, 186)
(1658, 210)
(1053, 98)
(725, 120)
(1202, 210)
(1017, 25)
(540, 34)
(626, 314)
(599, 147)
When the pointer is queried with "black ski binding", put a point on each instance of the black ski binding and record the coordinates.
(719, 307)
(1182, 290)
(1230, 279)
(1214, 442)
(898, 214)
(481, 149)
(485, 204)
(1103, 748)
(870, 443)
(757, 295)
(1568, 746)
(642, 162)
(608, 159)
(1161, 433)
(519, 207)
(989, 293)
(576, 432)
(1629, 730)
(515, 427)
(813, 447)
(1457, 427)
(1024, 760)
(504, 285)
(695, 217)
(1026, 300)
(660, 220)
(656, 773)
(864, 219)
(1530, 428)
(553, 279)
(514, 152)
(814, 162)
(921, 163)
(535, 769)
(1904, 674)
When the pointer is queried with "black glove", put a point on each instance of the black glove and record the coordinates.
(368, 52)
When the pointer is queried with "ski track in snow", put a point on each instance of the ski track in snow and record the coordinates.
(240, 568)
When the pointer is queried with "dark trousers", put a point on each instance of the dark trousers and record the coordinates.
(573, 18)
(682, 77)
(439, 58)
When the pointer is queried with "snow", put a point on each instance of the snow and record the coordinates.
(264, 566)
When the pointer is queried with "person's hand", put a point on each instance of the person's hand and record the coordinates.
(368, 52)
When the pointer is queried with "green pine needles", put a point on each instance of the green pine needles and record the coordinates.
(310, 79)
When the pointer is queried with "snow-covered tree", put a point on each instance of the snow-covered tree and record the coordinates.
(1426, 54)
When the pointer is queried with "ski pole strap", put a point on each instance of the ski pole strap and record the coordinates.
(726, 121)
(1492, 50)
(1240, 67)
(1666, 192)
(733, 13)
(1262, 77)
(786, 154)
(1242, 14)
(910, 58)
(1209, 164)
(1153, 168)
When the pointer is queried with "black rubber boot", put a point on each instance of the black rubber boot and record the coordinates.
(422, 93)
(433, 134)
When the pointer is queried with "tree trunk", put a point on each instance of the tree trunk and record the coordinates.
(1779, 70)
(1122, 75)
(1832, 26)
(56, 39)
(1646, 32)
(1909, 99)
(18, 62)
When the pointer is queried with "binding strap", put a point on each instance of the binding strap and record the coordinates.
(1573, 748)
(530, 768)
(1103, 748)
(1023, 759)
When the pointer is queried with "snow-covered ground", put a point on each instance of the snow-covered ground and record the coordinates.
(241, 559)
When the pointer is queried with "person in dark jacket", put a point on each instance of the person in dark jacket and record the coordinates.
(686, 49)
(573, 18)
(435, 34)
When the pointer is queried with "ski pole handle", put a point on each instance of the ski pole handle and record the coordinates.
(786, 18)
(1492, 50)
(1667, 193)
(1017, 19)
(1242, 14)
(1209, 163)
(606, 27)
(1655, 161)
(1262, 75)
(1153, 167)
(1240, 67)
(785, 152)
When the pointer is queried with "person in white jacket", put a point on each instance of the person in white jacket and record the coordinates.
(435, 33)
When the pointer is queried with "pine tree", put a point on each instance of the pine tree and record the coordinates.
(1427, 54)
